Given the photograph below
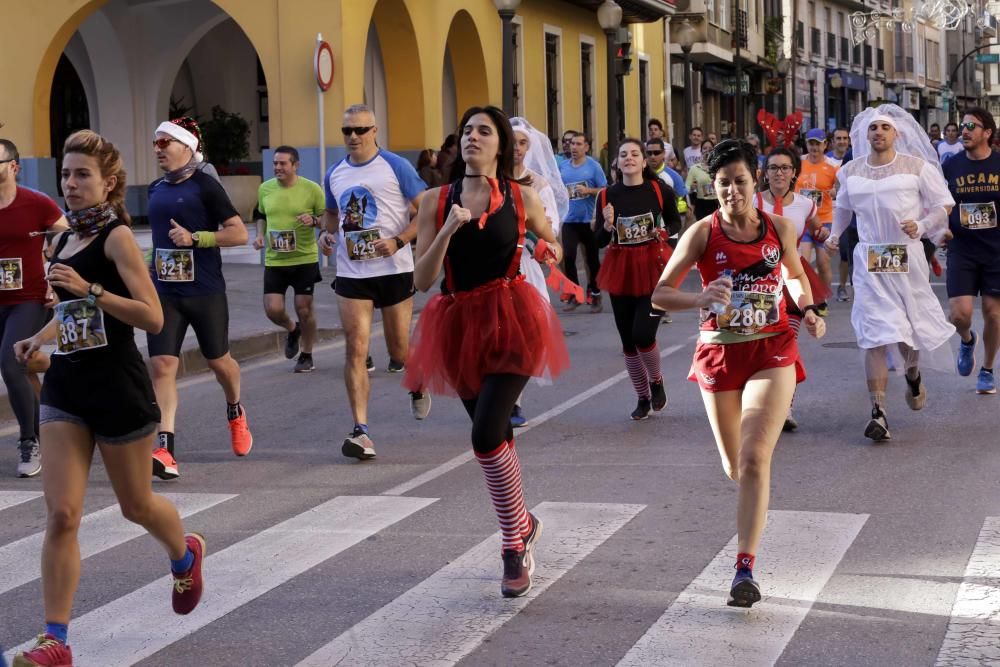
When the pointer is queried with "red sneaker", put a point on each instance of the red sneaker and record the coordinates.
(239, 433)
(48, 652)
(188, 586)
(164, 464)
(936, 266)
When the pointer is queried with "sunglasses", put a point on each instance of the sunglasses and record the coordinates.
(163, 143)
(654, 152)
(970, 126)
(6, 161)
(358, 131)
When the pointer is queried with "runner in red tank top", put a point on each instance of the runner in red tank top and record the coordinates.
(747, 355)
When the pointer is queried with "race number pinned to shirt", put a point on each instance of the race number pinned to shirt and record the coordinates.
(635, 229)
(815, 195)
(81, 326)
(976, 216)
(888, 258)
(282, 241)
(361, 244)
(706, 191)
(748, 313)
(11, 274)
(575, 190)
(174, 265)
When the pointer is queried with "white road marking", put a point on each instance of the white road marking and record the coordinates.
(12, 498)
(449, 614)
(973, 635)
(99, 531)
(535, 422)
(119, 632)
(798, 554)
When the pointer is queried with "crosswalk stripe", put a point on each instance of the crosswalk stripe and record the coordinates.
(799, 553)
(119, 632)
(449, 614)
(973, 635)
(12, 498)
(99, 531)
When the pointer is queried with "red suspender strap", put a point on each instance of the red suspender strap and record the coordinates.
(659, 194)
(441, 215)
(515, 264)
(604, 201)
(760, 201)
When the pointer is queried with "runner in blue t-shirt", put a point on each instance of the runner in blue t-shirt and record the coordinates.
(583, 177)
(974, 253)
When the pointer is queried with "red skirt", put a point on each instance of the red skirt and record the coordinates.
(503, 326)
(820, 292)
(729, 367)
(633, 270)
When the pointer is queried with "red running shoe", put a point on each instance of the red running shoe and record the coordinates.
(188, 586)
(48, 652)
(936, 266)
(239, 433)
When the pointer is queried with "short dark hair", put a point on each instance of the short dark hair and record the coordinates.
(696, 127)
(654, 121)
(10, 149)
(933, 125)
(655, 141)
(954, 125)
(289, 150)
(984, 117)
(843, 129)
(729, 151)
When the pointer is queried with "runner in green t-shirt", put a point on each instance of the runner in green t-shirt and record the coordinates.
(288, 209)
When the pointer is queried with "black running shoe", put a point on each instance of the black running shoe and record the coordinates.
(396, 366)
(745, 591)
(305, 363)
(292, 342)
(878, 427)
(642, 409)
(659, 395)
(369, 364)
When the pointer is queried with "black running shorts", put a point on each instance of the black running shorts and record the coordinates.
(302, 278)
(383, 291)
(970, 276)
(209, 317)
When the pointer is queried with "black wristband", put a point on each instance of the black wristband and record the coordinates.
(813, 307)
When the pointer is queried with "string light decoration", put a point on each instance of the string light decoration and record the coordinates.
(940, 14)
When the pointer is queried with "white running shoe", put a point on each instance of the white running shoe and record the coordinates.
(31, 459)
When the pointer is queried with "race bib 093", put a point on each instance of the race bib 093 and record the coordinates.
(978, 216)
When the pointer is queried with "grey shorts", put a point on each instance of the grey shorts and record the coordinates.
(47, 413)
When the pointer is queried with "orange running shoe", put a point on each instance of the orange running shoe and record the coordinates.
(239, 433)
(164, 464)
(48, 652)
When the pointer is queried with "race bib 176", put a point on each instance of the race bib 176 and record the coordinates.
(11, 274)
(888, 258)
(282, 241)
(81, 326)
(361, 244)
(174, 265)
(978, 216)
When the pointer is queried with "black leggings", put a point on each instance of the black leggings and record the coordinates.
(636, 325)
(490, 410)
(19, 322)
(575, 233)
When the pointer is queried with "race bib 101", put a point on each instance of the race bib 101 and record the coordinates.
(282, 241)
(174, 265)
(888, 258)
(748, 313)
(977, 216)
(361, 244)
(81, 326)
(636, 229)
(11, 274)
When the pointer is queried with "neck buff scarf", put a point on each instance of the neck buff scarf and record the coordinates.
(179, 175)
(91, 220)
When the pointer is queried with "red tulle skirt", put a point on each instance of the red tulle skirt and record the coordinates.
(820, 292)
(503, 326)
(633, 270)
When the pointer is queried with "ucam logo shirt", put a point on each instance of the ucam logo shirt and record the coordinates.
(372, 201)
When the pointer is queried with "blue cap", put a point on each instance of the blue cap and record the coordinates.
(816, 134)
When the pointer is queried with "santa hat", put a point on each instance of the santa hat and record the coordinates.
(186, 131)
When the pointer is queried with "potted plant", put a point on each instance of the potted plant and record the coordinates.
(227, 141)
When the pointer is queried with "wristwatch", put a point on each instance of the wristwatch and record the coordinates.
(95, 292)
(399, 242)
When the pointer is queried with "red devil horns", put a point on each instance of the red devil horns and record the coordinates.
(772, 126)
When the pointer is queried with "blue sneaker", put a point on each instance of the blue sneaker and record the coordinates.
(517, 418)
(986, 384)
(744, 591)
(967, 356)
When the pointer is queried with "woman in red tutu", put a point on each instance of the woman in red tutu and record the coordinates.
(489, 330)
(633, 217)
(777, 197)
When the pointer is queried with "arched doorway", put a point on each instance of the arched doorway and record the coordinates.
(465, 82)
(69, 109)
(393, 80)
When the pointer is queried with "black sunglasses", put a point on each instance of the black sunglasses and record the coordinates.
(654, 152)
(8, 160)
(970, 126)
(358, 131)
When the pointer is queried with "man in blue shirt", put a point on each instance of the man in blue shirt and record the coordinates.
(583, 177)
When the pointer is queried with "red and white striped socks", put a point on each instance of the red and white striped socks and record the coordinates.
(502, 470)
(651, 360)
(637, 373)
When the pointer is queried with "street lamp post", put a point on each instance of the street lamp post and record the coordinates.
(836, 82)
(783, 66)
(685, 39)
(609, 15)
(813, 72)
(506, 9)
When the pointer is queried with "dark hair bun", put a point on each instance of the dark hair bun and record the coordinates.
(729, 151)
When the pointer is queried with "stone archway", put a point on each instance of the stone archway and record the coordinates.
(465, 65)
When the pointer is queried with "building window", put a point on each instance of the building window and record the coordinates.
(800, 36)
(845, 50)
(643, 92)
(587, 87)
(553, 96)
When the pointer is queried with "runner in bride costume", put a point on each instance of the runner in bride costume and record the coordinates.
(533, 160)
(895, 187)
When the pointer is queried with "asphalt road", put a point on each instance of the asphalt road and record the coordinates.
(320, 560)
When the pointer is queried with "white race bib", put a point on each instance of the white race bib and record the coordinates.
(635, 229)
(888, 258)
(282, 241)
(748, 313)
(11, 274)
(81, 326)
(972, 216)
(174, 265)
(361, 244)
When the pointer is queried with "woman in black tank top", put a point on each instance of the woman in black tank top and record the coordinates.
(489, 330)
(104, 290)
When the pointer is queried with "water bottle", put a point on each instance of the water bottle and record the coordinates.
(720, 308)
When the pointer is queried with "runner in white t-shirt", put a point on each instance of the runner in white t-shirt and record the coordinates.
(951, 145)
(692, 153)
(371, 196)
